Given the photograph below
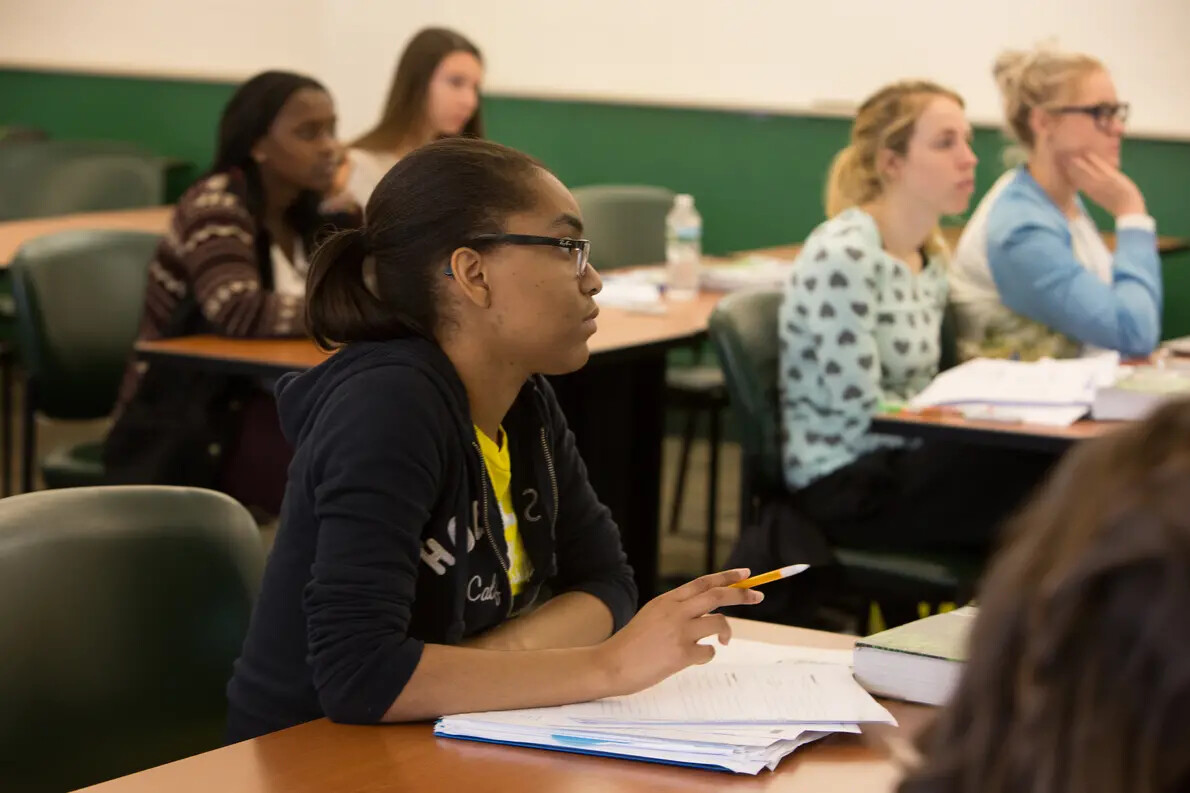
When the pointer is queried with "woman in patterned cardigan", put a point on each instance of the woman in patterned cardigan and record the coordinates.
(860, 330)
(233, 262)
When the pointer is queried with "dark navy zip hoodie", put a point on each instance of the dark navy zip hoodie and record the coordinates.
(390, 536)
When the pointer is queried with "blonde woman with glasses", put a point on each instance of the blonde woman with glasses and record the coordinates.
(1032, 275)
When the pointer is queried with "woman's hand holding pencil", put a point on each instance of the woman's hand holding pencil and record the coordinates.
(773, 575)
(663, 637)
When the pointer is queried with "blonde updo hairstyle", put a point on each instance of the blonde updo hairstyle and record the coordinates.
(1037, 78)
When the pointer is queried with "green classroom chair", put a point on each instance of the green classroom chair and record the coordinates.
(743, 329)
(625, 223)
(79, 297)
(626, 226)
(121, 612)
(948, 346)
(44, 178)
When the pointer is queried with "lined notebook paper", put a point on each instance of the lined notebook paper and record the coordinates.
(743, 712)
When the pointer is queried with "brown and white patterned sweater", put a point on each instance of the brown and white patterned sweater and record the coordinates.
(212, 274)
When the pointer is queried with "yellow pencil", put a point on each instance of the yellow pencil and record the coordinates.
(775, 575)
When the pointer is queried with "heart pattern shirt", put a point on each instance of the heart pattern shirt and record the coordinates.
(857, 328)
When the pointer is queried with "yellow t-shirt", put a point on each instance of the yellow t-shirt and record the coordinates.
(499, 464)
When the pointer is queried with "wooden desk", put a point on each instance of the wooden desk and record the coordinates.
(614, 405)
(1165, 245)
(15, 233)
(321, 756)
(1026, 437)
(620, 332)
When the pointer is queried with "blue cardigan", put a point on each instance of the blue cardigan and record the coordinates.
(1031, 260)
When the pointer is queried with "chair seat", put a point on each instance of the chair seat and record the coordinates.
(706, 382)
(74, 466)
(901, 572)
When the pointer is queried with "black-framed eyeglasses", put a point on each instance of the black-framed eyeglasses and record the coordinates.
(1104, 113)
(580, 248)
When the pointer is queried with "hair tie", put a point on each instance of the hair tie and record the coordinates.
(368, 275)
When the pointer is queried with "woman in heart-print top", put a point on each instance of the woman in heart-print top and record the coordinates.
(860, 329)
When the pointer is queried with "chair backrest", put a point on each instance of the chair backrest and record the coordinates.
(625, 223)
(42, 178)
(743, 328)
(122, 610)
(79, 299)
(948, 341)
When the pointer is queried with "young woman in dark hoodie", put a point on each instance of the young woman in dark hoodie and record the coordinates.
(440, 548)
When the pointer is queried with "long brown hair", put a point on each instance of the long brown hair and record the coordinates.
(1079, 672)
(405, 108)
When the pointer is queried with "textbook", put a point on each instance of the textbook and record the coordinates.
(917, 662)
(1139, 393)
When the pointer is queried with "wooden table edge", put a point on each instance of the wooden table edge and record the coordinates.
(248, 763)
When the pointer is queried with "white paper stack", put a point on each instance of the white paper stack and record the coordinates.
(749, 272)
(743, 712)
(632, 293)
(1051, 392)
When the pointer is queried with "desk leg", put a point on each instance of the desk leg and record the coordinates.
(616, 411)
(6, 356)
(28, 436)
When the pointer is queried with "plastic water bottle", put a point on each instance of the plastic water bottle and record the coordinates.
(683, 249)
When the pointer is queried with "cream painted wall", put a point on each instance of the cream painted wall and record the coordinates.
(767, 55)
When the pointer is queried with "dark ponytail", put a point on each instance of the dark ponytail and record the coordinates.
(339, 305)
(382, 281)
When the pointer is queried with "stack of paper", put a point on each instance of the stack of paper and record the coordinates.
(743, 712)
(1053, 392)
(750, 272)
(641, 288)
(633, 293)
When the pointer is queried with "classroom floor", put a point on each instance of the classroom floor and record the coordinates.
(681, 552)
